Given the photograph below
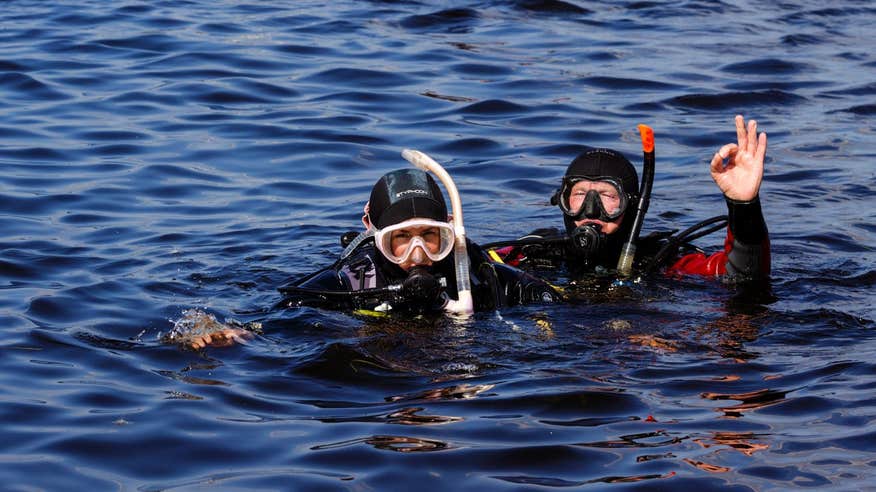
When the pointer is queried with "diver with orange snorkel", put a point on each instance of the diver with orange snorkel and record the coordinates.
(603, 207)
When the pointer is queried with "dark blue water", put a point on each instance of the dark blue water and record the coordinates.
(161, 157)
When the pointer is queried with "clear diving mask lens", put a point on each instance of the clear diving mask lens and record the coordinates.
(600, 198)
(414, 238)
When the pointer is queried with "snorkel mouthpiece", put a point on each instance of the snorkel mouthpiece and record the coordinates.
(464, 304)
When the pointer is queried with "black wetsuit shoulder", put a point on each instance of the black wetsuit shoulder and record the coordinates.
(493, 286)
(550, 249)
(501, 285)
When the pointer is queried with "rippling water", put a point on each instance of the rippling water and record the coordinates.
(160, 157)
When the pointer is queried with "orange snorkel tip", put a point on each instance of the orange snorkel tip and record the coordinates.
(647, 138)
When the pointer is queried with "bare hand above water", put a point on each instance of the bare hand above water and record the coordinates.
(737, 168)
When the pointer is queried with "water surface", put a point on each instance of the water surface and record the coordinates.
(160, 157)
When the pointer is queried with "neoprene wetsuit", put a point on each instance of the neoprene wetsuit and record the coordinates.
(746, 253)
(366, 272)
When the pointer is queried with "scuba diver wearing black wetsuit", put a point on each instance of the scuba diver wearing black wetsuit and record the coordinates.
(405, 262)
(598, 196)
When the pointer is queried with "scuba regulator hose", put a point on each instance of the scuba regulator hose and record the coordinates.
(464, 304)
(628, 252)
(693, 232)
(420, 287)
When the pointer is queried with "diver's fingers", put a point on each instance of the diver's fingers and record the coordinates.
(239, 338)
(240, 335)
(752, 136)
(715, 165)
(724, 152)
(728, 151)
(220, 338)
(761, 147)
(741, 137)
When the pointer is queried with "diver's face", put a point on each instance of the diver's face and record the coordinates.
(401, 241)
(610, 201)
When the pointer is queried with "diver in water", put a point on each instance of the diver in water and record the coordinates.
(602, 202)
(405, 260)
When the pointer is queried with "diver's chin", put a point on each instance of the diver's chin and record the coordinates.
(607, 228)
(595, 222)
(411, 264)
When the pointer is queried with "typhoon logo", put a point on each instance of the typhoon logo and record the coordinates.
(417, 191)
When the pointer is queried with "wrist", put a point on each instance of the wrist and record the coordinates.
(738, 201)
(746, 220)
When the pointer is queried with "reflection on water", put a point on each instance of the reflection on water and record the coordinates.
(707, 466)
(401, 444)
(461, 391)
(640, 440)
(752, 400)
(746, 443)
(556, 482)
(404, 416)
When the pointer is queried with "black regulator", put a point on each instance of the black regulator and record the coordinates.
(588, 239)
(421, 287)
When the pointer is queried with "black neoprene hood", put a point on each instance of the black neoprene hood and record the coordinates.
(404, 194)
(600, 163)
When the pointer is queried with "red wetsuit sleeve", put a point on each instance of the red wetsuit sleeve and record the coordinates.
(700, 264)
(746, 253)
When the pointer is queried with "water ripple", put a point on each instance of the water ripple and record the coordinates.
(29, 88)
(731, 100)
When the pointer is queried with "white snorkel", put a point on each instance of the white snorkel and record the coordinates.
(464, 305)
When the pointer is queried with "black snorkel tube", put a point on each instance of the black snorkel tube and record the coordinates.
(628, 252)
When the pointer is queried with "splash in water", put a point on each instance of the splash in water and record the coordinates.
(198, 329)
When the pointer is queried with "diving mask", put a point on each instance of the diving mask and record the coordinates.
(415, 238)
(600, 198)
